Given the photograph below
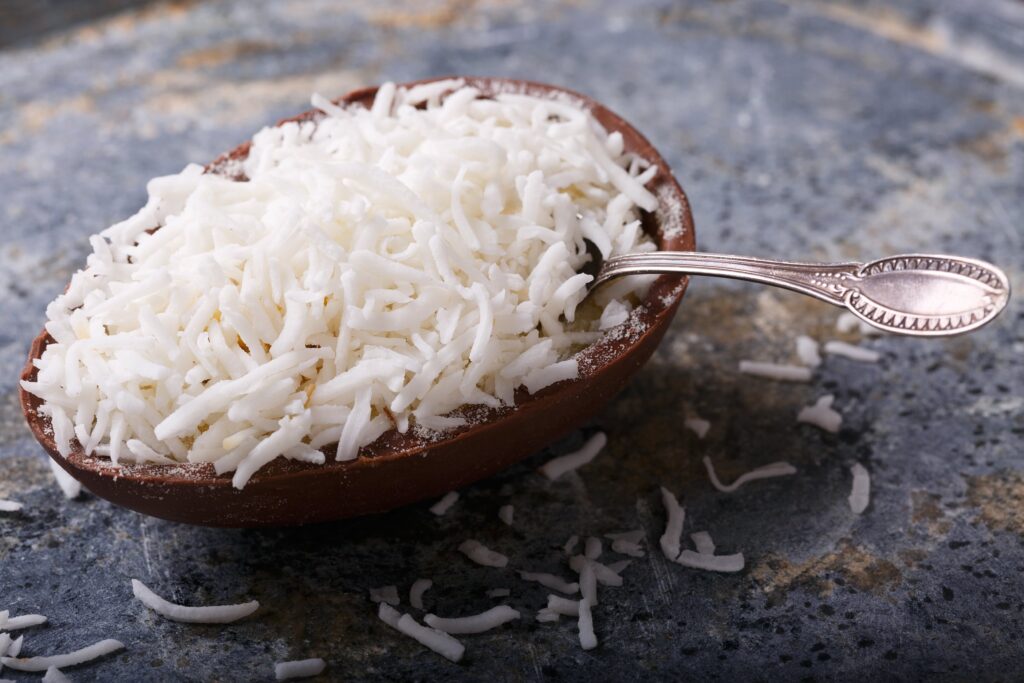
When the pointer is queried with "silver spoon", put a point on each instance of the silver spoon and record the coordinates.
(924, 295)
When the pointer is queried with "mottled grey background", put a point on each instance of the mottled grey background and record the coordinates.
(800, 129)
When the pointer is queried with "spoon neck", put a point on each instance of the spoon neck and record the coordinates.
(826, 281)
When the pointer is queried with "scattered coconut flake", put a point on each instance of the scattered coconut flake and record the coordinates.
(676, 514)
(851, 351)
(55, 675)
(442, 506)
(628, 542)
(702, 539)
(713, 563)
(388, 614)
(416, 591)
(563, 606)
(499, 593)
(624, 547)
(556, 467)
(784, 373)
(9, 623)
(807, 351)
(634, 536)
(860, 494)
(551, 581)
(588, 640)
(592, 548)
(15, 648)
(847, 322)
(5, 645)
(388, 594)
(9, 506)
(821, 415)
(602, 572)
(68, 484)
(698, 426)
(299, 668)
(544, 615)
(619, 566)
(86, 654)
(570, 545)
(438, 641)
(480, 554)
(775, 469)
(588, 582)
(506, 513)
(476, 623)
(213, 614)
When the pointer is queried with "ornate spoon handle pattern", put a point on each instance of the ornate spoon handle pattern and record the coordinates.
(915, 294)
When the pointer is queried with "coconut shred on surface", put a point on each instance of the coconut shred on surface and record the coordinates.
(374, 268)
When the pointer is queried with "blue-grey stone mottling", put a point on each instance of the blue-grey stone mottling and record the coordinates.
(824, 130)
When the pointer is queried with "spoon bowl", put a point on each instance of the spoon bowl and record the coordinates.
(399, 469)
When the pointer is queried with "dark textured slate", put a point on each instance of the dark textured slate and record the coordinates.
(817, 130)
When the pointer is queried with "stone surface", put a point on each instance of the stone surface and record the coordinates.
(803, 129)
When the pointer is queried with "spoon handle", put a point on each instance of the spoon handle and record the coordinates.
(913, 294)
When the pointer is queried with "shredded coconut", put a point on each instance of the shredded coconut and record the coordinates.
(841, 348)
(556, 467)
(477, 623)
(388, 614)
(602, 572)
(570, 544)
(697, 425)
(627, 548)
(478, 553)
(713, 563)
(301, 668)
(442, 506)
(9, 506)
(416, 591)
(807, 351)
(588, 582)
(390, 263)
(588, 640)
(551, 581)
(702, 540)
(675, 514)
(9, 623)
(563, 606)
(388, 594)
(438, 641)
(860, 493)
(86, 654)
(70, 486)
(55, 675)
(784, 373)
(506, 513)
(213, 614)
(821, 415)
(775, 469)
(634, 536)
(592, 548)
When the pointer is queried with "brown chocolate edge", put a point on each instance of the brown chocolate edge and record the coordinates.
(654, 317)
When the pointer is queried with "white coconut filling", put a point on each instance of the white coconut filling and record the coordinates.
(378, 269)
